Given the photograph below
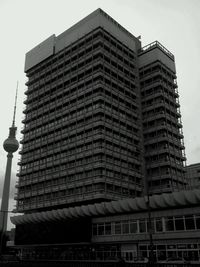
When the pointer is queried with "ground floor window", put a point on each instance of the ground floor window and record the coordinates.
(128, 251)
(172, 251)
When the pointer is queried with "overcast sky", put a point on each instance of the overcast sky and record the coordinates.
(176, 24)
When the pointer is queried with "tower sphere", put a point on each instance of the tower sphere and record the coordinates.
(10, 145)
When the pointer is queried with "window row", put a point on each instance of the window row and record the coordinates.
(120, 51)
(53, 138)
(158, 225)
(101, 157)
(89, 190)
(156, 68)
(56, 175)
(68, 79)
(77, 94)
(80, 114)
(70, 143)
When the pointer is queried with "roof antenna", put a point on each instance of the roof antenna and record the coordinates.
(13, 123)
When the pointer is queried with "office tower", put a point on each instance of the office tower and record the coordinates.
(162, 127)
(101, 119)
(82, 129)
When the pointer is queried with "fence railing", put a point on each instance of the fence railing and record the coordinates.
(64, 263)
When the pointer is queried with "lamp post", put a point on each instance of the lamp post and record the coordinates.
(150, 231)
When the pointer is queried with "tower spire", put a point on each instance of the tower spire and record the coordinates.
(13, 122)
(10, 145)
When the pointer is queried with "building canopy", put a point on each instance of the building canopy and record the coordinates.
(129, 205)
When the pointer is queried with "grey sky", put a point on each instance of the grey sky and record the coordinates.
(176, 24)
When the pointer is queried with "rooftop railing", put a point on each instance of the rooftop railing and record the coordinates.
(159, 45)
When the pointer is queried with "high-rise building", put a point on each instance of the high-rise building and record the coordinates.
(102, 119)
(102, 129)
(162, 127)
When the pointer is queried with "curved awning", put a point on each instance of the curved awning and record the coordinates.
(163, 201)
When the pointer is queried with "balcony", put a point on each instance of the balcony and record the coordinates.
(160, 150)
(161, 104)
(161, 94)
(163, 162)
(157, 83)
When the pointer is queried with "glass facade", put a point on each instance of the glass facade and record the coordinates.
(172, 252)
(140, 226)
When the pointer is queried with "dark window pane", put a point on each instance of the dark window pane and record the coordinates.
(159, 227)
(133, 227)
(198, 222)
(101, 229)
(125, 227)
(94, 229)
(150, 226)
(108, 229)
(169, 224)
(179, 224)
(142, 224)
(189, 222)
(118, 228)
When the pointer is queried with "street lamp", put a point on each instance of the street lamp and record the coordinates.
(150, 231)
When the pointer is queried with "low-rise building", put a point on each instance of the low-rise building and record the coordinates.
(193, 175)
(115, 229)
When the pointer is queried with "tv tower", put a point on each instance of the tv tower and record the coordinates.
(10, 145)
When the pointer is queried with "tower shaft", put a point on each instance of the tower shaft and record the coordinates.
(5, 196)
(10, 145)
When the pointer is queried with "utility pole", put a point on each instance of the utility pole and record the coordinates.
(150, 232)
(150, 227)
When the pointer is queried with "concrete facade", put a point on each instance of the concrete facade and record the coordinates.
(102, 124)
(193, 175)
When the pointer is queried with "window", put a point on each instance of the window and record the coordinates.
(158, 225)
(117, 228)
(94, 229)
(133, 227)
(169, 224)
(198, 222)
(142, 224)
(101, 229)
(125, 227)
(189, 222)
(179, 223)
(107, 228)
